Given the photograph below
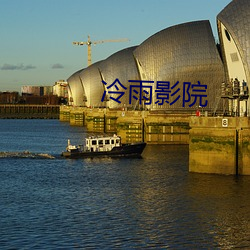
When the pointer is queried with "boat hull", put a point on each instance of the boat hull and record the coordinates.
(126, 150)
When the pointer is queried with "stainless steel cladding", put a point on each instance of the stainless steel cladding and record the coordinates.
(92, 84)
(75, 89)
(234, 33)
(184, 53)
(235, 18)
(120, 65)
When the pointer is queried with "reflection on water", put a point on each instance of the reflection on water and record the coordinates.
(224, 201)
(106, 203)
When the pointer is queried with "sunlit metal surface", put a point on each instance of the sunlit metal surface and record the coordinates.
(92, 84)
(120, 65)
(236, 18)
(234, 24)
(75, 89)
(184, 53)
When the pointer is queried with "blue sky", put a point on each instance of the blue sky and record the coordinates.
(36, 35)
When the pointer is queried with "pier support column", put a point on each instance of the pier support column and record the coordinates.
(77, 116)
(94, 120)
(219, 145)
(130, 126)
(64, 114)
(166, 129)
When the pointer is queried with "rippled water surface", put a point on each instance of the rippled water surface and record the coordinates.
(148, 203)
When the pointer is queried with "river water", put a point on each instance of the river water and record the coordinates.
(149, 203)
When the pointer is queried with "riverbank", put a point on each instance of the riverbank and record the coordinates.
(25, 111)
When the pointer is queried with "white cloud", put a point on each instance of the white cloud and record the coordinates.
(57, 66)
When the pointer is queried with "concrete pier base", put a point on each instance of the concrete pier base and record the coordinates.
(219, 145)
(64, 114)
(132, 125)
(94, 120)
(167, 129)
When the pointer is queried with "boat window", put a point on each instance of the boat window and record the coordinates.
(100, 142)
(112, 142)
(93, 142)
(117, 141)
(107, 142)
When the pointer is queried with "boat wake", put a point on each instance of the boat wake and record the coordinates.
(26, 154)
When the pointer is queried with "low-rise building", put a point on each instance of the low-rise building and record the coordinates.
(60, 89)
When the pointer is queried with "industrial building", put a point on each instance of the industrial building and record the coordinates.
(60, 89)
(9, 97)
(37, 90)
(178, 69)
(38, 95)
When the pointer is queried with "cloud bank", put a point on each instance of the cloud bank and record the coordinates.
(57, 66)
(21, 66)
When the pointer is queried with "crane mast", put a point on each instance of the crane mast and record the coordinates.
(89, 43)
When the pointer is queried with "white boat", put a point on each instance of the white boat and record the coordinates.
(103, 146)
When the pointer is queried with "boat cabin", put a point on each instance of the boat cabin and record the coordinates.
(102, 143)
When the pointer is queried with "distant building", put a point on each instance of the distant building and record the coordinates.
(40, 100)
(47, 90)
(9, 97)
(60, 89)
(37, 90)
(38, 95)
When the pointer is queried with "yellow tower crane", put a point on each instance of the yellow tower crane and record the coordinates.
(89, 43)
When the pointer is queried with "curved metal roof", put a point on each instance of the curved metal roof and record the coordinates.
(92, 85)
(236, 18)
(121, 65)
(179, 54)
(184, 53)
(76, 90)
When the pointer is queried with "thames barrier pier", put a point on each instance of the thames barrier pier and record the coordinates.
(219, 145)
(132, 126)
